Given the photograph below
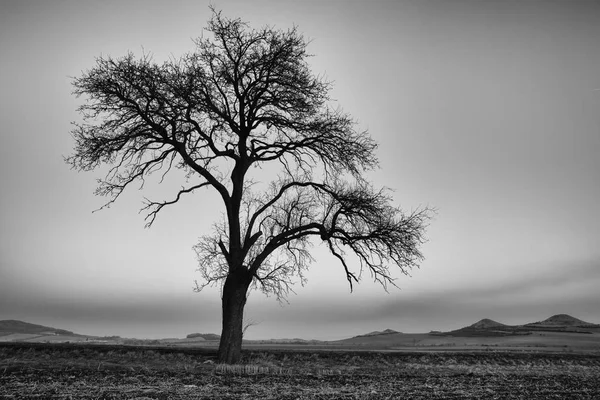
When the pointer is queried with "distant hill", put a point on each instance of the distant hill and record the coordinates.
(487, 324)
(205, 336)
(556, 323)
(13, 326)
(14, 330)
(562, 320)
(378, 333)
(385, 337)
(484, 327)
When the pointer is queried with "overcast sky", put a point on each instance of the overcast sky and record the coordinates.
(488, 111)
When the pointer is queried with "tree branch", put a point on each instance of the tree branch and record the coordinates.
(156, 207)
(247, 98)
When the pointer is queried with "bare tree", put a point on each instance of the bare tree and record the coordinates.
(245, 100)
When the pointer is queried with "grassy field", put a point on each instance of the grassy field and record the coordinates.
(76, 371)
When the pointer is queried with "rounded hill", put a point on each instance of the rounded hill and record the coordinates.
(487, 324)
(562, 320)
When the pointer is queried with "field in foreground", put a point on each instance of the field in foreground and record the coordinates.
(70, 371)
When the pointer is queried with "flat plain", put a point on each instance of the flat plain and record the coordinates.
(88, 371)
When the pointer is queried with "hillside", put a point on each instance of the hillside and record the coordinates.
(484, 327)
(556, 323)
(488, 324)
(562, 320)
(388, 337)
(11, 326)
(378, 333)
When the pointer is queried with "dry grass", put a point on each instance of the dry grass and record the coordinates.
(88, 372)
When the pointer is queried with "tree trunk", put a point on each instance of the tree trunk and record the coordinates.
(234, 300)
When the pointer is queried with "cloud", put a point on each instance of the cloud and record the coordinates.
(559, 288)
(545, 280)
(158, 316)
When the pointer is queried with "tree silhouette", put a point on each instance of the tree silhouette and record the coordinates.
(244, 101)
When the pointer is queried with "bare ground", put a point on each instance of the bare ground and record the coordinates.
(119, 372)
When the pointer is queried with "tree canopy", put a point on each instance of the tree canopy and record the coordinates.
(246, 100)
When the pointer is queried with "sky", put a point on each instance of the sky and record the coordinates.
(487, 111)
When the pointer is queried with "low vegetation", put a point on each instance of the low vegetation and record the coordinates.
(76, 371)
